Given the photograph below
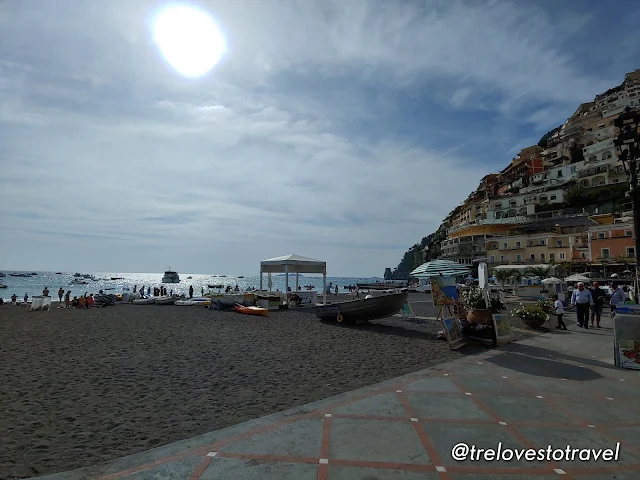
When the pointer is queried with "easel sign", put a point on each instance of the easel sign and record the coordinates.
(453, 332)
(502, 328)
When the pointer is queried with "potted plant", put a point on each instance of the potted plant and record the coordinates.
(531, 315)
(476, 304)
(545, 305)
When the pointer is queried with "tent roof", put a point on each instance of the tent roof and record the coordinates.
(293, 264)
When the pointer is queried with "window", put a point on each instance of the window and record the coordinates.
(631, 252)
(559, 243)
(542, 242)
(627, 233)
(552, 256)
(492, 258)
(543, 198)
(533, 256)
(601, 235)
(542, 257)
(574, 169)
(505, 245)
(562, 256)
(517, 244)
(518, 258)
(605, 253)
(553, 197)
(559, 173)
(502, 258)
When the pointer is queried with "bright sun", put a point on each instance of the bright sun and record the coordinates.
(189, 40)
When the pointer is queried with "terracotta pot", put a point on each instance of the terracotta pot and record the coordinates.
(482, 317)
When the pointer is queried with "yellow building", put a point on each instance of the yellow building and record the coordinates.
(537, 248)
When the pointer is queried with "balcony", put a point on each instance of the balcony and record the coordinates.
(598, 147)
(588, 172)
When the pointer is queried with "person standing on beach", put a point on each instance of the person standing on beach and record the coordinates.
(599, 296)
(26, 297)
(191, 291)
(67, 299)
(60, 295)
(582, 301)
(45, 292)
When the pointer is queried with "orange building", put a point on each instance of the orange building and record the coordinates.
(610, 242)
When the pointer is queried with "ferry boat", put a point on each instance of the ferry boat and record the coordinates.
(170, 277)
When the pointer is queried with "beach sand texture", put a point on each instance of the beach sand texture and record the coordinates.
(81, 387)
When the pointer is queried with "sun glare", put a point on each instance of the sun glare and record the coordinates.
(189, 40)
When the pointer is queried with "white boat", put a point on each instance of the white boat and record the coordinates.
(145, 301)
(170, 277)
(167, 300)
(75, 281)
(193, 302)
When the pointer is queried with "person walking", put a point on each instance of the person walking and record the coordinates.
(582, 301)
(599, 297)
(559, 311)
(617, 297)
(60, 294)
(67, 299)
(191, 291)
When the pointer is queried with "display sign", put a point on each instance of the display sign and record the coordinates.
(502, 327)
(453, 332)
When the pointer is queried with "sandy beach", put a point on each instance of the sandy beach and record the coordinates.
(80, 387)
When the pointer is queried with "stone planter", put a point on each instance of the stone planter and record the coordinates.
(482, 317)
(534, 322)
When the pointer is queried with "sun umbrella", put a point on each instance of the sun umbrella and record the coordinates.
(435, 268)
(577, 278)
(551, 280)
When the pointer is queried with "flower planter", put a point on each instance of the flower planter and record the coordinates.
(482, 317)
(534, 322)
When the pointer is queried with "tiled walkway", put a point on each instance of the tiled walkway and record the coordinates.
(557, 389)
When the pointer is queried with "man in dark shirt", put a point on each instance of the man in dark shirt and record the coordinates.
(599, 297)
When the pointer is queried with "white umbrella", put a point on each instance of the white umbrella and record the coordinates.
(551, 280)
(436, 268)
(577, 278)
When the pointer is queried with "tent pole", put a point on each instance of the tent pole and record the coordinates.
(286, 285)
(324, 285)
(297, 273)
(260, 277)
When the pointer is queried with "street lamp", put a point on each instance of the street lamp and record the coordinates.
(628, 151)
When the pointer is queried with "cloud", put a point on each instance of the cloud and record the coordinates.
(331, 129)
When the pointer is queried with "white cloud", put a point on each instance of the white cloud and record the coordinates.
(102, 145)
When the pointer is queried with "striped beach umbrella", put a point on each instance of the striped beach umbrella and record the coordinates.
(435, 268)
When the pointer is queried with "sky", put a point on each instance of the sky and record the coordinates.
(339, 130)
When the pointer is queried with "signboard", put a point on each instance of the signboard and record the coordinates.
(502, 327)
(444, 291)
(626, 337)
(453, 332)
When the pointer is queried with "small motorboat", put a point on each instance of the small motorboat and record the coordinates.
(241, 276)
(75, 281)
(58, 273)
(189, 277)
(2, 274)
(263, 312)
(363, 310)
(167, 299)
(117, 278)
(193, 302)
(144, 301)
(2, 285)
(215, 286)
(21, 275)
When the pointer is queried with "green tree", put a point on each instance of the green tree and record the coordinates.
(541, 272)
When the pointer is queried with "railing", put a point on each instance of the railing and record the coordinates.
(588, 172)
(598, 147)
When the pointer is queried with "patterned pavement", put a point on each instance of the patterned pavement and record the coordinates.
(556, 389)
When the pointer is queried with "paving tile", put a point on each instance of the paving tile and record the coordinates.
(176, 470)
(555, 386)
(560, 438)
(510, 409)
(492, 385)
(241, 469)
(361, 440)
(382, 405)
(626, 435)
(338, 472)
(301, 438)
(481, 476)
(433, 385)
(447, 407)
(445, 437)
(601, 412)
(603, 476)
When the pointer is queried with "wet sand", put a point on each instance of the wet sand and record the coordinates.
(80, 387)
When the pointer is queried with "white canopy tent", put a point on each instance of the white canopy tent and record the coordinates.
(295, 264)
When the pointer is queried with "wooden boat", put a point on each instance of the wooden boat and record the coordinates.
(363, 310)
(263, 312)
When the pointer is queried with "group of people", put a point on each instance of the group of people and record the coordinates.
(589, 304)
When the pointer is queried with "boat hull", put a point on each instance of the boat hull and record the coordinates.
(262, 312)
(363, 310)
(168, 300)
(144, 301)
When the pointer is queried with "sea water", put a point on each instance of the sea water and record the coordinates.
(34, 285)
